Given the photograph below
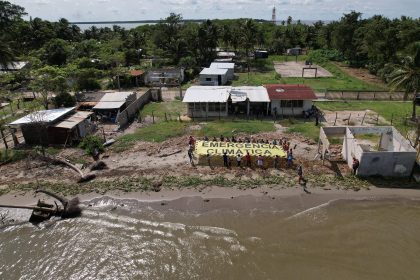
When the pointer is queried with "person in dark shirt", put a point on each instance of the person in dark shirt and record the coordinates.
(356, 164)
(225, 160)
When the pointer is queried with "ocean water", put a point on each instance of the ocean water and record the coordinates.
(191, 239)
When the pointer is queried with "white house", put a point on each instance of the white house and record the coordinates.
(207, 101)
(229, 66)
(213, 77)
(221, 101)
(290, 100)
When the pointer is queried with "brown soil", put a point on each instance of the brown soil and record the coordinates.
(361, 74)
(353, 118)
(148, 159)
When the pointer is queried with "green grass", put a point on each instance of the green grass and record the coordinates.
(8, 156)
(396, 111)
(267, 75)
(159, 109)
(230, 128)
(157, 132)
(307, 129)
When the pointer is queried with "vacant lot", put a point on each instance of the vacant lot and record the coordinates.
(292, 69)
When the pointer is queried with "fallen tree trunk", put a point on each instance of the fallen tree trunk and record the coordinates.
(170, 154)
(83, 177)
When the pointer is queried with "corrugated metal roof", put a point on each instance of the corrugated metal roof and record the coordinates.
(254, 94)
(221, 94)
(74, 120)
(222, 65)
(113, 100)
(109, 105)
(136, 72)
(203, 94)
(43, 116)
(213, 71)
(290, 92)
(223, 60)
(16, 65)
(226, 54)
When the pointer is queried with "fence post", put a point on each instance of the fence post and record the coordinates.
(348, 121)
(363, 120)
(153, 116)
(166, 117)
(4, 138)
(335, 121)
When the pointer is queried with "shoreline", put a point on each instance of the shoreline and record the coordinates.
(291, 197)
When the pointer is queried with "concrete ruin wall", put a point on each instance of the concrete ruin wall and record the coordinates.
(131, 112)
(400, 143)
(389, 164)
(396, 161)
(351, 148)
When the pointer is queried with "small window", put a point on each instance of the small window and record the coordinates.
(291, 103)
(208, 79)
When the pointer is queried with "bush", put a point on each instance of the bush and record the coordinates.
(92, 143)
(322, 56)
(64, 99)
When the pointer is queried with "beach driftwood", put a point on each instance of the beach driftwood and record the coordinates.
(170, 154)
(43, 211)
(57, 160)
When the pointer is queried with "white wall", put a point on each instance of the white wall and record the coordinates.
(296, 111)
(214, 80)
(200, 112)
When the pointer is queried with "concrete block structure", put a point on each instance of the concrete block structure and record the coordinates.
(221, 101)
(393, 156)
(290, 100)
(229, 66)
(213, 77)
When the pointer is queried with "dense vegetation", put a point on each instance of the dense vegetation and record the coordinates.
(63, 57)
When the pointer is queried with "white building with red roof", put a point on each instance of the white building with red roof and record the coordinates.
(290, 100)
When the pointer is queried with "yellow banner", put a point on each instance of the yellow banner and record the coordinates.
(232, 149)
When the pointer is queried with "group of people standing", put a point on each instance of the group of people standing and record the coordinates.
(247, 160)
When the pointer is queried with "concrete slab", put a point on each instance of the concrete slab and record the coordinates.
(293, 69)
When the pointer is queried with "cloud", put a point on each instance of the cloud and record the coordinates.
(190, 9)
(41, 2)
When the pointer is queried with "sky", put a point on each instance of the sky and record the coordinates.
(114, 10)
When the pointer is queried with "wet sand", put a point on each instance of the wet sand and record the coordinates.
(215, 197)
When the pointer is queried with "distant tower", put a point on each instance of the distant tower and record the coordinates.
(273, 16)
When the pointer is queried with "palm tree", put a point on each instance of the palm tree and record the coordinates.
(6, 53)
(407, 76)
(249, 37)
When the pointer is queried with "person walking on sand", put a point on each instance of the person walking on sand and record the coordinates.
(355, 166)
(238, 159)
(248, 159)
(190, 156)
(225, 160)
(191, 141)
(300, 174)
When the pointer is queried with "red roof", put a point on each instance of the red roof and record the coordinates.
(136, 72)
(290, 92)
